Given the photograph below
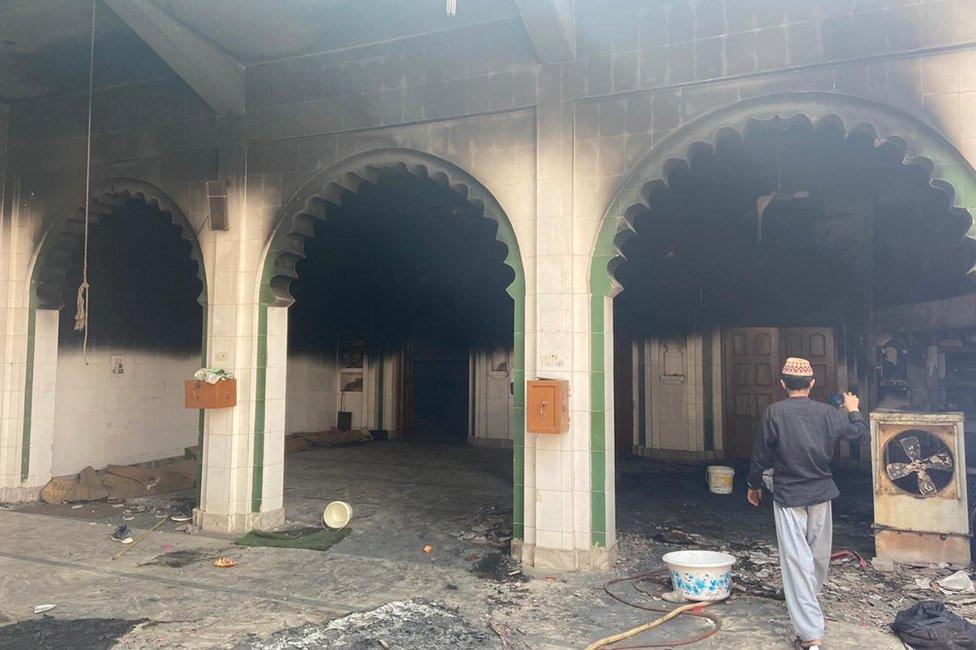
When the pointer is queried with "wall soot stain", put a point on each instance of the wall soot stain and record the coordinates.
(144, 287)
(407, 260)
(850, 227)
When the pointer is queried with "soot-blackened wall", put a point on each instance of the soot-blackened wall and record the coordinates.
(125, 404)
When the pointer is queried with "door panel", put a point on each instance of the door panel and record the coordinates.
(816, 344)
(405, 391)
(751, 361)
(748, 384)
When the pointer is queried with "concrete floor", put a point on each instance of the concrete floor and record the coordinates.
(455, 498)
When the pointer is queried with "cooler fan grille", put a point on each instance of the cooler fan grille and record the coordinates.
(919, 463)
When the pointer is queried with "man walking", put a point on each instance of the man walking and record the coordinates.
(796, 438)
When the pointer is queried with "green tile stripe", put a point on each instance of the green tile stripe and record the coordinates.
(517, 291)
(260, 394)
(598, 425)
(28, 390)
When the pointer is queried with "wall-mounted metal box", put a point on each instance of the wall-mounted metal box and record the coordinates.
(547, 406)
(920, 502)
(201, 395)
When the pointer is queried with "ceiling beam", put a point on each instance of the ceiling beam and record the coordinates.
(550, 27)
(218, 79)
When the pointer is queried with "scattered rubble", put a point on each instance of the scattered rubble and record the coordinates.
(492, 528)
(957, 583)
(855, 591)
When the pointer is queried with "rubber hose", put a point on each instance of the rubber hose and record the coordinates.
(695, 609)
(634, 631)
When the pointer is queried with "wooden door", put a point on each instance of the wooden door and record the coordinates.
(405, 391)
(816, 344)
(748, 358)
(751, 361)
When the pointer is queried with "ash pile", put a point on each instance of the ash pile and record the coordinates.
(413, 623)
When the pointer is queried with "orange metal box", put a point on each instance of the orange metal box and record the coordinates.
(201, 395)
(547, 404)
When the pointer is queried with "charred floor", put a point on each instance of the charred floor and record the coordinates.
(511, 282)
(378, 584)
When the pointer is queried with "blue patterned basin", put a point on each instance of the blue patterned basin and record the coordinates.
(701, 575)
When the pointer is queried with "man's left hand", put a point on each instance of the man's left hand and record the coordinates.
(754, 497)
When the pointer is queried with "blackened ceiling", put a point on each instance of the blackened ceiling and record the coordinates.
(44, 48)
(44, 44)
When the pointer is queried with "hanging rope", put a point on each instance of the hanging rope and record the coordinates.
(81, 312)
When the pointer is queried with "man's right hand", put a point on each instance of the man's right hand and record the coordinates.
(754, 497)
(851, 402)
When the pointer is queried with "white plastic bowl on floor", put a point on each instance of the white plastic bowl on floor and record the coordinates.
(702, 576)
(337, 515)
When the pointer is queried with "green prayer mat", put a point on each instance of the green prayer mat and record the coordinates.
(312, 539)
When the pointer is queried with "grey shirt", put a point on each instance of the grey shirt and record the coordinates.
(796, 437)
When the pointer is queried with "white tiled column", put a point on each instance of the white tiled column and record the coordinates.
(273, 457)
(16, 225)
(243, 447)
(43, 394)
(557, 467)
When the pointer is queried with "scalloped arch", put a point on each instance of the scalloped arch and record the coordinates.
(295, 225)
(838, 116)
(65, 237)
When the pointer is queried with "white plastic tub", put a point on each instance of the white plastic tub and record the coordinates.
(720, 479)
(701, 576)
(337, 515)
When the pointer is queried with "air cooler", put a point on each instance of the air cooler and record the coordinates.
(920, 505)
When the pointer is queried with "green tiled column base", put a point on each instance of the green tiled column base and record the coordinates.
(517, 291)
(598, 426)
(28, 392)
(260, 390)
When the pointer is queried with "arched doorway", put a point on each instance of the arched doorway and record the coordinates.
(397, 279)
(778, 226)
(119, 403)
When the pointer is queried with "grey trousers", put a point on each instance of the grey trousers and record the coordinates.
(804, 536)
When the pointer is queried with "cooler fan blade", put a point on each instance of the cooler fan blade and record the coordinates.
(925, 485)
(941, 461)
(898, 470)
(912, 448)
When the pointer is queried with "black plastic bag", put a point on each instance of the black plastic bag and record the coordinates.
(929, 625)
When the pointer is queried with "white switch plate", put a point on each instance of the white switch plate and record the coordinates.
(117, 364)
